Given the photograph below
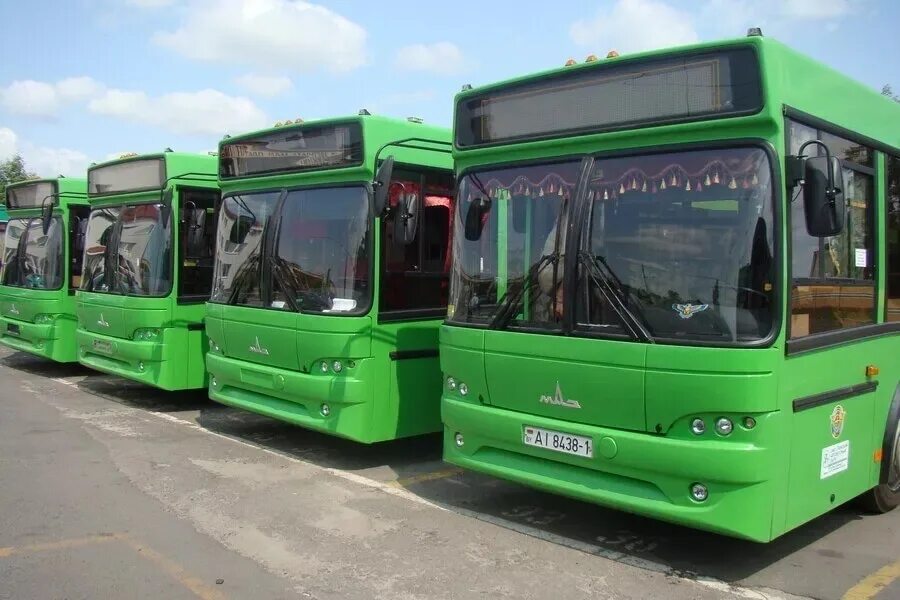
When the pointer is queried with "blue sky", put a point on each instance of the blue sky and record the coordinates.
(85, 80)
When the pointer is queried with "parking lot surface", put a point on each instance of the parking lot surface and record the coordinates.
(112, 489)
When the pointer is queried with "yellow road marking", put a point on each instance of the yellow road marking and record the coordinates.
(870, 586)
(433, 475)
(60, 545)
(176, 571)
(194, 584)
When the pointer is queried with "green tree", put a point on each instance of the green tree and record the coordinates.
(12, 170)
(888, 91)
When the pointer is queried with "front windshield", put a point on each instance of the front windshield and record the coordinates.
(40, 263)
(317, 254)
(100, 226)
(144, 251)
(239, 244)
(674, 245)
(515, 248)
(128, 250)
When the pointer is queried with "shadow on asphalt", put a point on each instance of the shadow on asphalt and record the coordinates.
(622, 536)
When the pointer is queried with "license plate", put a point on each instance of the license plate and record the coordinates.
(102, 346)
(12, 328)
(559, 441)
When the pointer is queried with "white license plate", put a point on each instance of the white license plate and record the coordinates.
(559, 441)
(103, 346)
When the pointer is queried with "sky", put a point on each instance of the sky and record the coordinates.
(84, 81)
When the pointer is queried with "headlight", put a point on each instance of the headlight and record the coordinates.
(146, 334)
(43, 319)
(724, 426)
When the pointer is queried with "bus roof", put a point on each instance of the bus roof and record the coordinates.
(142, 173)
(426, 145)
(791, 81)
(70, 190)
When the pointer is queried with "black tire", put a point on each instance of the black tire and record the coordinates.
(885, 497)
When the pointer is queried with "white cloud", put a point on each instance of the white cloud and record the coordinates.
(8, 142)
(634, 25)
(150, 3)
(31, 98)
(78, 88)
(294, 35)
(264, 85)
(41, 99)
(202, 112)
(817, 9)
(43, 160)
(443, 58)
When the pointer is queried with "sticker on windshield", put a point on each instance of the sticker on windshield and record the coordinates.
(686, 311)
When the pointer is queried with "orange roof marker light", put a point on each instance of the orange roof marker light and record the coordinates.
(571, 62)
(612, 54)
(591, 58)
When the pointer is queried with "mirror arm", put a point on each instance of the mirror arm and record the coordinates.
(831, 192)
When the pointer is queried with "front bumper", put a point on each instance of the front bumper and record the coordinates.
(159, 363)
(298, 398)
(55, 340)
(636, 472)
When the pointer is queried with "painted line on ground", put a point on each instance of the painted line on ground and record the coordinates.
(873, 584)
(89, 540)
(175, 571)
(423, 477)
(393, 488)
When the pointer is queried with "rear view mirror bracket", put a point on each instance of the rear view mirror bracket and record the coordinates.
(381, 185)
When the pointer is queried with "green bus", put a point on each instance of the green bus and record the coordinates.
(4, 219)
(331, 280)
(148, 261)
(675, 287)
(42, 266)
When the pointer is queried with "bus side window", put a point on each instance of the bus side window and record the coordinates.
(415, 275)
(892, 239)
(78, 221)
(196, 242)
(833, 284)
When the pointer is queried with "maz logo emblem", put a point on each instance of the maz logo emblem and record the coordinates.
(258, 349)
(13, 310)
(102, 322)
(559, 400)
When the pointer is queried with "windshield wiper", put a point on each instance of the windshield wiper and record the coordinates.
(241, 278)
(290, 294)
(615, 293)
(509, 305)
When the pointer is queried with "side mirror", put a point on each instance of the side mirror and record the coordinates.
(195, 222)
(46, 216)
(478, 208)
(406, 218)
(382, 185)
(240, 229)
(79, 228)
(823, 196)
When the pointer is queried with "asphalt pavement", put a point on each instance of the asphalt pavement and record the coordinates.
(109, 489)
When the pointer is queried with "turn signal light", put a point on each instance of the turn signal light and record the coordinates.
(871, 371)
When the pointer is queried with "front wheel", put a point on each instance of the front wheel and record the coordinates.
(886, 496)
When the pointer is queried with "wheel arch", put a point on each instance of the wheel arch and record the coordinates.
(890, 433)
